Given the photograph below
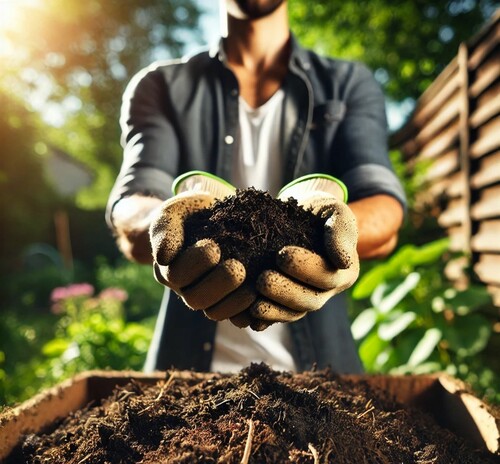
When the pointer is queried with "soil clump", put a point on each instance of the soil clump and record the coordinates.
(255, 416)
(252, 226)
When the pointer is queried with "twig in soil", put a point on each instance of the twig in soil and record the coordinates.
(366, 412)
(253, 393)
(125, 395)
(86, 458)
(248, 444)
(314, 452)
(165, 386)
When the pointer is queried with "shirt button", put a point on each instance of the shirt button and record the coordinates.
(207, 346)
(228, 139)
(233, 93)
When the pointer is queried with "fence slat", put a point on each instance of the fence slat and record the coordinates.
(487, 238)
(485, 76)
(488, 171)
(488, 107)
(488, 205)
(488, 268)
(488, 139)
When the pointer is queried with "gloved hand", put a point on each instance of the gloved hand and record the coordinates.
(305, 280)
(197, 274)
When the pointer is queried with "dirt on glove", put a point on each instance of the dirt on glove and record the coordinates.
(255, 416)
(252, 226)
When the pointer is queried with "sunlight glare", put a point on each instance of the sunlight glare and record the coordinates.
(10, 12)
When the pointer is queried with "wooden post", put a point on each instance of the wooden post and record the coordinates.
(464, 137)
(63, 238)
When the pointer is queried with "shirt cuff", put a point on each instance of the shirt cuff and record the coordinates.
(373, 179)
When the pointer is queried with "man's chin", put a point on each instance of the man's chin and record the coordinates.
(252, 9)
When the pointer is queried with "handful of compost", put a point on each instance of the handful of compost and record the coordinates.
(296, 277)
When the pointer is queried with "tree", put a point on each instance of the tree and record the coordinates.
(25, 196)
(406, 43)
(80, 55)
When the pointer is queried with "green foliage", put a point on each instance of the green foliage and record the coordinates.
(90, 332)
(407, 43)
(74, 59)
(144, 292)
(54, 329)
(416, 322)
(21, 174)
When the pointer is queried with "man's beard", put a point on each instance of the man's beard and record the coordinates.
(255, 9)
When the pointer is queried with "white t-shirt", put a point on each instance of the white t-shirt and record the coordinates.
(259, 165)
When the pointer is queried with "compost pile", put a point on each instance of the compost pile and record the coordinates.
(251, 226)
(255, 416)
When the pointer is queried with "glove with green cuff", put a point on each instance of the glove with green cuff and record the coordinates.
(305, 280)
(197, 274)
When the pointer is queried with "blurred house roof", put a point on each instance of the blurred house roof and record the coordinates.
(65, 173)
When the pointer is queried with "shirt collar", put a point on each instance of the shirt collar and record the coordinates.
(298, 54)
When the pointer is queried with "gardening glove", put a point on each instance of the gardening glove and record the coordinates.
(305, 280)
(196, 273)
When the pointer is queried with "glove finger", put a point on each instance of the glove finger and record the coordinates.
(233, 304)
(290, 293)
(341, 236)
(160, 273)
(221, 281)
(193, 262)
(259, 325)
(167, 230)
(306, 266)
(268, 311)
(242, 320)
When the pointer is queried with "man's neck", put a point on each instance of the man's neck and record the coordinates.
(258, 53)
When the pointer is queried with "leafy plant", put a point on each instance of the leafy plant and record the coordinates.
(93, 333)
(416, 322)
(88, 331)
(144, 293)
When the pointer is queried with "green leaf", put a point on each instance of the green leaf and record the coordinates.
(430, 252)
(468, 335)
(385, 359)
(425, 347)
(466, 301)
(368, 282)
(364, 322)
(55, 348)
(424, 368)
(401, 263)
(378, 294)
(370, 349)
(391, 300)
(389, 330)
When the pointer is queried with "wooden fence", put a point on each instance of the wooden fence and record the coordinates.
(455, 130)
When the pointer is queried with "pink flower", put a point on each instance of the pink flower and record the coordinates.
(114, 293)
(71, 291)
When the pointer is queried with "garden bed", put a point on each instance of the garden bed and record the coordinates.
(257, 415)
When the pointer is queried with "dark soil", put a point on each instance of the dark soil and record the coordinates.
(313, 417)
(252, 226)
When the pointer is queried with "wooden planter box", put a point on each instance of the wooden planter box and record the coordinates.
(443, 397)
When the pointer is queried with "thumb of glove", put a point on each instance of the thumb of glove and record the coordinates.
(326, 196)
(193, 190)
(166, 232)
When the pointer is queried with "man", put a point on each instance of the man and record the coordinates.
(257, 111)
